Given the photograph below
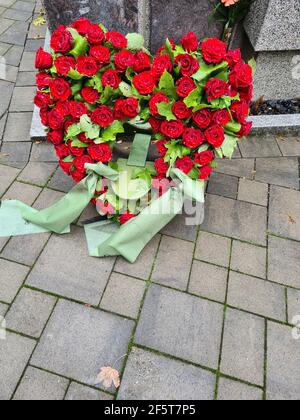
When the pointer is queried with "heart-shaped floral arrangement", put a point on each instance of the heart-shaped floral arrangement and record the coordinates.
(195, 98)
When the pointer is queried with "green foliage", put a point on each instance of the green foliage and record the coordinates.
(230, 15)
(91, 130)
(110, 133)
(229, 146)
(165, 110)
(75, 75)
(208, 70)
(194, 98)
(135, 41)
(80, 44)
(167, 85)
(175, 151)
(78, 143)
(126, 89)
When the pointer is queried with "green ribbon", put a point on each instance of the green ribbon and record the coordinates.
(139, 150)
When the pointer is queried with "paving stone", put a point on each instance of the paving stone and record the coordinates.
(26, 78)
(7, 176)
(283, 369)
(236, 391)
(14, 55)
(18, 127)
(30, 312)
(257, 296)
(61, 182)
(150, 376)
(253, 192)
(243, 347)
(6, 90)
(16, 34)
(284, 262)
(5, 24)
(37, 385)
(11, 279)
(243, 168)
(293, 305)
(213, 249)
(32, 45)
(208, 281)
(4, 48)
(77, 392)
(173, 264)
(2, 126)
(142, 268)
(89, 213)
(196, 334)
(79, 277)
(3, 242)
(7, 3)
(17, 15)
(249, 259)
(37, 32)
(224, 185)
(178, 228)
(235, 219)
(22, 99)
(23, 192)
(12, 152)
(24, 6)
(3, 309)
(8, 73)
(85, 340)
(289, 146)
(28, 62)
(284, 213)
(43, 152)
(278, 171)
(259, 146)
(47, 198)
(37, 173)
(25, 249)
(15, 352)
(123, 295)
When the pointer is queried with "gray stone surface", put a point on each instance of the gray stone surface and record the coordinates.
(70, 271)
(3, 309)
(30, 312)
(10, 73)
(196, 334)
(123, 295)
(24, 6)
(28, 61)
(257, 296)
(276, 124)
(22, 99)
(289, 145)
(14, 55)
(208, 281)
(26, 78)
(236, 391)
(153, 377)
(293, 305)
(223, 185)
(249, 259)
(243, 347)
(178, 228)
(11, 279)
(243, 168)
(25, 249)
(283, 370)
(5, 24)
(12, 152)
(47, 198)
(17, 15)
(43, 152)
(37, 173)
(235, 219)
(259, 146)
(173, 263)
(213, 249)
(37, 385)
(16, 34)
(253, 192)
(90, 338)
(61, 182)
(7, 175)
(6, 90)
(278, 171)
(23, 192)
(77, 392)
(284, 262)
(15, 352)
(18, 127)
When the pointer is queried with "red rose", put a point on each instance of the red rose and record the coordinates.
(123, 59)
(204, 158)
(161, 167)
(161, 64)
(190, 42)
(118, 110)
(83, 138)
(64, 64)
(95, 35)
(181, 111)
(82, 25)
(205, 172)
(60, 89)
(142, 62)
(62, 151)
(234, 57)
(117, 40)
(193, 138)
(125, 217)
(77, 109)
(55, 119)
(214, 51)
(241, 76)
(87, 66)
(111, 78)
(56, 137)
(100, 152)
(202, 118)
(246, 94)
(44, 116)
(156, 99)
(130, 107)
(185, 164)
(90, 95)
(43, 100)
(43, 60)
(246, 129)
(61, 40)
(172, 129)
(221, 117)
(66, 166)
(215, 88)
(101, 54)
(155, 124)
(240, 111)
(63, 108)
(160, 146)
(144, 83)
(43, 80)
(69, 122)
(77, 175)
(215, 136)
(80, 162)
(76, 151)
(188, 64)
(185, 86)
(103, 116)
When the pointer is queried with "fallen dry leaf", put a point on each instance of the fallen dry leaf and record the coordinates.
(39, 21)
(292, 220)
(108, 376)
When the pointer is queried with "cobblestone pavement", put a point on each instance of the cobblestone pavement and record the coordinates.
(201, 315)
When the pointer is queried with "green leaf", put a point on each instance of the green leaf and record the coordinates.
(78, 143)
(169, 49)
(135, 41)
(252, 63)
(223, 75)
(110, 133)
(98, 83)
(108, 94)
(203, 148)
(75, 75)
(229, 146)
(80, 45)
(175, 151)
(179, 50)
(194, 174)
(206, 70)
(194, 98)
(91, 130)
(167, 84)
(129, 74)
(73, 131)
(233, 126)
(68, 159)
(76, 87)
(126, 89)
(165, 110)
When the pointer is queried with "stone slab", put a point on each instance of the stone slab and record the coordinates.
(3, 309)
(11, 279)
(224, 185)
(22, 99)
(213, 249)
(242, 168)
(180, 229)
(17, 127)
(289, 145)
(249, 259)
(236, 391)
(253, 192)
(277, 124)
(7, 176)
(6, 90)
(37, 173)
(16, 34)
(278, 171)
(293, 306)
(259, 146)
(43, 152)
(23, 192)
(15, 153)
(77, 392)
